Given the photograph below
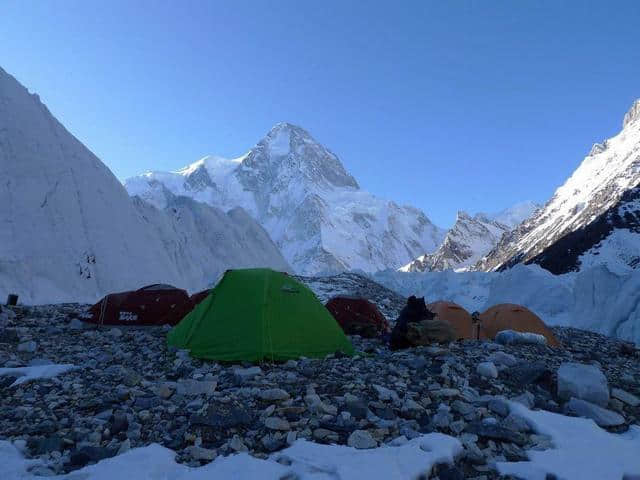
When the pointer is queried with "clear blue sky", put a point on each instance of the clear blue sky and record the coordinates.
(445, 105)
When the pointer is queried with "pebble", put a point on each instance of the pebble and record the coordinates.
(361, 439)
(275, 423)
(625, 397)
(487, 369)
(602, 416)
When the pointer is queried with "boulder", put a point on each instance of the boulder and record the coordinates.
(585, 382)
(602, 416)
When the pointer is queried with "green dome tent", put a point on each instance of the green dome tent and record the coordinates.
(259, 314)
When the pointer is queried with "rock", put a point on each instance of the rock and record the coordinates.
(89, 454)
(114, 332)
(76, 324)
(237, 445)
(602, 416)
(275, 423)
(361, 439)
(119, 423)
(511, 337)
(124, 447)
(28, 347)
(272, 441)
(49, 444)
(165, 391)
(200, 453)
(585, 382)
(386, 394)
(496, 432)
(131, 378)
(499, 406)
(449, 472)
(516, 423)
(625, 397)
(502, 358)
(527, 399)
(487, 370)
(322, 434)
(358, 409)
(246, 374)
(195, 387)
(273, 395)
(524, 374)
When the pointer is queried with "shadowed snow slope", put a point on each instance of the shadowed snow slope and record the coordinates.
(594, 299)
(302, 195)
(70, 232)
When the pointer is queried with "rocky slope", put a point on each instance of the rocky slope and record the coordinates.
(69, 231)
(592, 214)
(302, 195)
(470, 239)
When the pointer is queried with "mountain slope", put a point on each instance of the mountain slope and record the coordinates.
(302, 195)
(68, 229)
(470, 239)
(586, 208)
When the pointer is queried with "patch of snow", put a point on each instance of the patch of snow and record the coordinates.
(308, 461)
(582, 450)
(28, 374)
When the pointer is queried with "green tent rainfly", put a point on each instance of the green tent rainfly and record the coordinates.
(259, 314)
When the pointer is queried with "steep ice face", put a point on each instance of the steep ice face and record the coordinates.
(597, 185)
(470, 239)
(310, 205)
(70, 232)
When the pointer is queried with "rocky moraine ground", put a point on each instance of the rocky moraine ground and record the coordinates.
(129, 390)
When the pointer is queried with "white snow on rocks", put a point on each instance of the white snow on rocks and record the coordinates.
(28, 374)
(307, 460)
(582, 450)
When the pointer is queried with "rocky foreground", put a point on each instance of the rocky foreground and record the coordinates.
(129, 390)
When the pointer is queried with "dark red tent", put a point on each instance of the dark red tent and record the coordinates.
(176, 314)
(150, 305)
(358, 316)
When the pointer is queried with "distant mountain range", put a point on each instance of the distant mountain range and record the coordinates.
(470, 239)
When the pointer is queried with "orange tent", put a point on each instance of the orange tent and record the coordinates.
(457, 316)
(508, 316)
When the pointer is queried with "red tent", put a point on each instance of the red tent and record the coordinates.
(150, 305)
(176, 314)
(357, 316)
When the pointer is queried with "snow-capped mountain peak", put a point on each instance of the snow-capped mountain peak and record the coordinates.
(632, 115)
(301, 193)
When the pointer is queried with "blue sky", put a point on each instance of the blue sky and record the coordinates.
(471, 105)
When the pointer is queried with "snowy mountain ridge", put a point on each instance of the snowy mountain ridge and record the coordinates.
(594, 191)
(303, 196)
(470, 239)
(69, 232)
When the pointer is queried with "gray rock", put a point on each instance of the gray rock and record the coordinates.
(499, 406)
(273, 395)
(275, 423)
(29, 346)
(386, 394)
(602, 416)
(200, 453)
(496, 432)
(246, 374)
(195, 387)
(502, 358)
(527, 399)
(511, 337)
(361, 439)
(585, 382)
(516, 423)
(487, 369)
(625, 397)
(237, 445)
